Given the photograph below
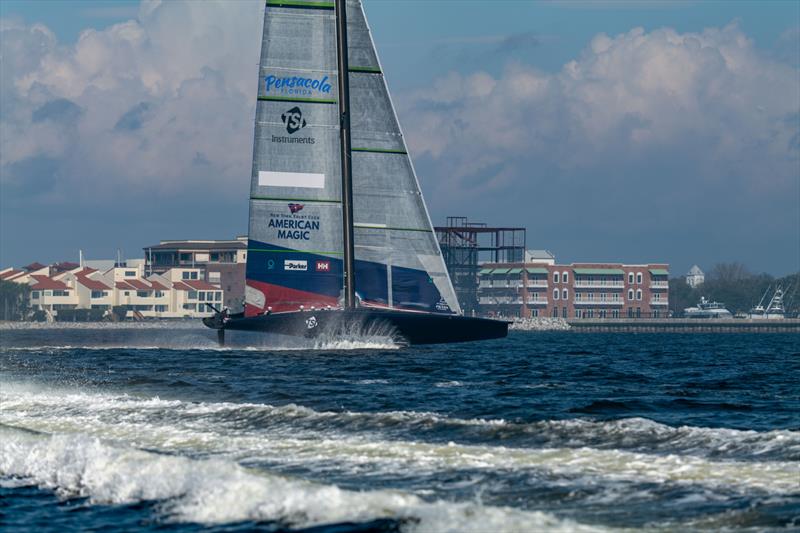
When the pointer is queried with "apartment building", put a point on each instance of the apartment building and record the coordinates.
(221, 262)
(574, 291)
(177, 293)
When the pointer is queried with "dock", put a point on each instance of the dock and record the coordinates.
(684, 325)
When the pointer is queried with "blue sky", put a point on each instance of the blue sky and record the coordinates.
(611, 152)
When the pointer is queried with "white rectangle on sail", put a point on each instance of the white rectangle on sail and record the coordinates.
(291, 179)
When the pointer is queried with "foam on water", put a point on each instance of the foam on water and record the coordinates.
(263, 433)
(219, 491)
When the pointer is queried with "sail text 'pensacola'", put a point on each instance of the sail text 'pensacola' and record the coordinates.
(297, 85)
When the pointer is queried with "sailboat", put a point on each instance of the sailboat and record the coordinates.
(339, 234)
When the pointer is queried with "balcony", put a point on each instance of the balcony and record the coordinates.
(536, 301)
(500, 300)
(536, 283)
(659, 284)
(659, 302)
(500, 284)
(591, 284)
(599, 301)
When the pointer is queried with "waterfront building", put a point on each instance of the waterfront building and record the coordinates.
(177, 293)
(695, 277)
(221, 262)
(577, 290)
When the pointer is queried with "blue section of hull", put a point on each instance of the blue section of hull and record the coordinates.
(320, 274)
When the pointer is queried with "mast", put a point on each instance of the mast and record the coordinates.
(344, 143)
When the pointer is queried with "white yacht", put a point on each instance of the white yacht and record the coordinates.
(773, 311)
(706, 309)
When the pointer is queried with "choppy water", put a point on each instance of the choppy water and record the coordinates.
(156, 428)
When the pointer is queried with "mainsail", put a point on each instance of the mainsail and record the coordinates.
(294, 258)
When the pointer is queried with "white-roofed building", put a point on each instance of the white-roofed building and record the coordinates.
(695, 276)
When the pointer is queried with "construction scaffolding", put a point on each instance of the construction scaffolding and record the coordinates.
(466, 245)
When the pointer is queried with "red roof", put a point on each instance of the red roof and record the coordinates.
(45, 283)
(66, 265)
(139, 284)
(181, 286)
(11, 273)
(157, 286)
(124, 286)
(85, 272)
(34, 266)
(92, 284)
(201, 285)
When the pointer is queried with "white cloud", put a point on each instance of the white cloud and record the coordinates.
(631, 100)
(193, 65)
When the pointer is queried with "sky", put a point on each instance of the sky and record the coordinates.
(613, 130)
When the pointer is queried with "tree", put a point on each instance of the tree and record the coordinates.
(14, 298)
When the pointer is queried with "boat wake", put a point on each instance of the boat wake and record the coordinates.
(212, 491)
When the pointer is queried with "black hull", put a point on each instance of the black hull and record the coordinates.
(412, 328)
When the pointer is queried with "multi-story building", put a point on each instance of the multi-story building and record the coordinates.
(578, 290)
(221, 262)
(177, 293)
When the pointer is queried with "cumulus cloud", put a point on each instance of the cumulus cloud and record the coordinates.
(162, 104)
(635, 138)
(643, 129)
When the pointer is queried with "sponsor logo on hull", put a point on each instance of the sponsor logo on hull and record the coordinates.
(323, 266)
(295, 208)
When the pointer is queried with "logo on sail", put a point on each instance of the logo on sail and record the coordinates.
(297, 86)
(293, 119)
(295, 265)
(294, 122)
(295, 208)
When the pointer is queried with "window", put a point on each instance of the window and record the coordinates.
(159, 294)
(564, 295)
(577, 313)
(188, 307)
(99, 294)
(615, 313)
(186, 257)
(639, 294)
(35, 295)
(565, 277)
(563, 312)
(215, 256)
(127, 293)
(555, 277)
(60, 293)
(142, 294)
(639, 278)
(590, 296)
(655, 314)
(192, 295)
(638, 312)
(130, 273)
(218, 296)
(554, 314)
(657, 296)
(630, 294)
(535, 313)
(555, 294)
(161, 308)
(630, 312)
(185, 275)
(630, 278)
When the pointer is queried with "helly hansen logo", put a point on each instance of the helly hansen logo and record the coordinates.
(323, 266)
(295, 208)
(293, 120)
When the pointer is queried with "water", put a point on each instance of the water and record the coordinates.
(155, 427)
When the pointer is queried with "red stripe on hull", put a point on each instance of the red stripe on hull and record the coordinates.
(282, 299)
